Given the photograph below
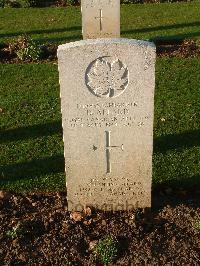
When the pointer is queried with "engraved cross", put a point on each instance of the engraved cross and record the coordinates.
(100, 19)
(108, 150)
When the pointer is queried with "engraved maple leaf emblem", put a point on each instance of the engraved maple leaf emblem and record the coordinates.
(107, 79)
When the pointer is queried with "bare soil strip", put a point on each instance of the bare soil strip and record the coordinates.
(37, 229)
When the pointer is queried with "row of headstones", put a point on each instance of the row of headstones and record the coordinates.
(107, 100)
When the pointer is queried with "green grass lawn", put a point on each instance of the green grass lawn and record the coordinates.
(152, 21)
(31, 137)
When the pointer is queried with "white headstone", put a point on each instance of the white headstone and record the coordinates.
(100, 19)
(107, 101)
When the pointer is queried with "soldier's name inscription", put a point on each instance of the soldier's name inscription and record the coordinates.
(107, 115)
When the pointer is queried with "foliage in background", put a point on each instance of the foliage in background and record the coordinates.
(151, 1)
(2, 3)
(64, 3)
(15, 3)
(61, 3)
(106, 250)
(37, 3)
(26, 49)
(23, 3)
(73, 2)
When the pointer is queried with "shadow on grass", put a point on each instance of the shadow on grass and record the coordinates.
(59, 39)
(34, 168)
(161, 144)
(45, 31)
(30, 132)
(164, 27)
(126, 32)
(189, 183)
(174, 38)
(182, 191)
(177, 37)
(184, 140)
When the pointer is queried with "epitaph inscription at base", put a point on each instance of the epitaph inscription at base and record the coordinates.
(100, 19)
(107, 101)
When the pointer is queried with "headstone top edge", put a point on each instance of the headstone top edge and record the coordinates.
(106, 41)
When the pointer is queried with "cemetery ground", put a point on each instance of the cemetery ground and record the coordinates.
(36, 228)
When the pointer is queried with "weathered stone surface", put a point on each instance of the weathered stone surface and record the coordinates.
(100, 19)
(107, 92)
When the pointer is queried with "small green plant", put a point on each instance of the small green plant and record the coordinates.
(106, 250)
(16, 3)
(14, 232)
(197, 225)
(26, 49)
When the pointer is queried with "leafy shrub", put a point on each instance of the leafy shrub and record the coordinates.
(15, 3)
(73, 2)
(106, 250)
(24, 3)
(26, 49)
(61, 3)
(11, 3)
(39, 3)
(31, 51)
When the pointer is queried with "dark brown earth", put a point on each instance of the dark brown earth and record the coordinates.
(182, 48)
(48, 234)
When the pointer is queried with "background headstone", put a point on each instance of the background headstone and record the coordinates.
(107, 100)
(100, 19)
